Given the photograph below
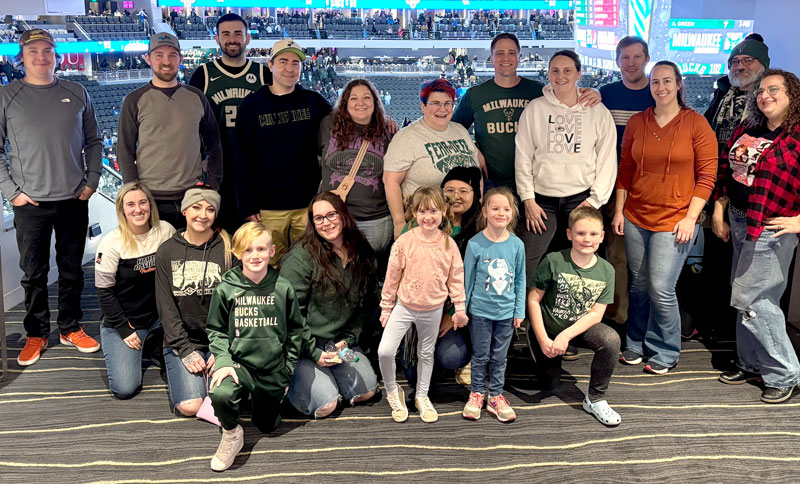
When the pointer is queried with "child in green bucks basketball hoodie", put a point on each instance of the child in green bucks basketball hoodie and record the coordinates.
(255, 331)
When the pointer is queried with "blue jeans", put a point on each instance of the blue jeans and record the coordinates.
(314, 386)
(490, 342)
(655, 261)
(760, 273)
(183, 385)
(124, 364)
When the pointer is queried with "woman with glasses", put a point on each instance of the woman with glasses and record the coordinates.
(666, 173)
(565, 157)
(332, 270)
(359, 118)
(759, 184)
(423, 152)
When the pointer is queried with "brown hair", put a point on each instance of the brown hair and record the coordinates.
(359, 252)
(432, 197)
(343, 125)
(678, 79)
(632, 40)
(585, 212)
(502, 192)
(756, 118)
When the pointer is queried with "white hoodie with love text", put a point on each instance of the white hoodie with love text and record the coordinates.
(562, 151)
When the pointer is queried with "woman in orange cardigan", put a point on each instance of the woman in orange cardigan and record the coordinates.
(667, 171)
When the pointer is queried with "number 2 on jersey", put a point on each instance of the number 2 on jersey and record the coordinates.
(230, 116)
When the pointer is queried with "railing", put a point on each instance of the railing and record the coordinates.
(110, 183)
(123, 75)
(3, 343)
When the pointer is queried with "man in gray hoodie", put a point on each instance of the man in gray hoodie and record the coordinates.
(48, 174)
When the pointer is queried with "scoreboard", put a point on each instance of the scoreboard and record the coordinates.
(597, 13)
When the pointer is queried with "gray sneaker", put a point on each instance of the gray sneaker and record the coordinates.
(229, 447)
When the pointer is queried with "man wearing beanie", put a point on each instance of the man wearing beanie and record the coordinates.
(747, 62)
(48, 174)
(168, 136)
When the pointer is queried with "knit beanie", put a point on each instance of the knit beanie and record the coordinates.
(194, 195)
(469, 175)
(753, 48)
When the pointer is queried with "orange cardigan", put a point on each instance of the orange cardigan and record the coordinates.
(663, 168)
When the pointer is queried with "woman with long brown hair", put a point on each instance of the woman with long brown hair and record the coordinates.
(332, 270)
(359, 118)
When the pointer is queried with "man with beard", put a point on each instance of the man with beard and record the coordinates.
(225, 82)
(625, 98)
(168, 136)
(747, 62)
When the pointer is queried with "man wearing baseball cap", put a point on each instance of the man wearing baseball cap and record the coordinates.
(51, 170)
(168, 136)
(276, 165)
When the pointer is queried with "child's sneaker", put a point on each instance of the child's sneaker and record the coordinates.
(427, 413)
(31, 351)
(500, 408)
(81, 341)
(630, 358)
(397, 400)
(229, 447)
(472, 410)
(602, 412)
(464, 375)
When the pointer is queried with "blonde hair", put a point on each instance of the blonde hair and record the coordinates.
(126, 234)
(432, 197)
(226, 242)
(502, 192)
(246, 234)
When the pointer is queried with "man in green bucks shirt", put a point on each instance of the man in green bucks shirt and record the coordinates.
(495, 107)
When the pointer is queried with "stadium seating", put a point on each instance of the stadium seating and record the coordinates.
(110, 28)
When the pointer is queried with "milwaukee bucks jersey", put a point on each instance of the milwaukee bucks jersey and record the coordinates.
(225, 90)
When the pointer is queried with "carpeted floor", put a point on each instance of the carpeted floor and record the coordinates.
(60, 424)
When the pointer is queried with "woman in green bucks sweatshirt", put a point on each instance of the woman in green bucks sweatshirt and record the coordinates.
(255, 331)
(332, 270)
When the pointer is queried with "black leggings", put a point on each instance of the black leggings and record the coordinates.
(600, 338)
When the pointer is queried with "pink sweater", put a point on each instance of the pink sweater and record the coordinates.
(422, 274)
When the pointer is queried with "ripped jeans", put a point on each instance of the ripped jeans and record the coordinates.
(759, 276)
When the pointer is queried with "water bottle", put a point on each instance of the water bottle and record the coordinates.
(346, 354)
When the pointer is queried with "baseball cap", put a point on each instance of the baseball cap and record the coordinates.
(163, 38)
(33, 35)
(287, 45)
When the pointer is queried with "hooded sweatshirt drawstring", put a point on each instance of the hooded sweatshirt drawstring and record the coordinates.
(671, 145)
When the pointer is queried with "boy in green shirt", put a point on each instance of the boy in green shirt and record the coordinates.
(571, 290)
(255, 331)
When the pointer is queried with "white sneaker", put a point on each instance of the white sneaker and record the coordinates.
(602, 412)
(397, 400)
(427, 413)
(229, 447)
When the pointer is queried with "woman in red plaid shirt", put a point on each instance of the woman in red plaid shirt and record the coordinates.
(759, 184)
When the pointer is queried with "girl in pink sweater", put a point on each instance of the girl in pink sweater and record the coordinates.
(425, 267)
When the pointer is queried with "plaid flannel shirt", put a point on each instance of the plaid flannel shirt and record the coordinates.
(776, 187)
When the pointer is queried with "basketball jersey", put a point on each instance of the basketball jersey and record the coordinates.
(225, 91)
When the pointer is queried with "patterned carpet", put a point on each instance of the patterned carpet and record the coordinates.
(60, 424)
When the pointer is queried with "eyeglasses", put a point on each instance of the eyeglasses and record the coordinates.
(331, 217)
(744, 61)
(436, 104)
(461, 191)
(771, 90)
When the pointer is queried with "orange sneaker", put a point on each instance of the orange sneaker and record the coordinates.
(32, 350)
(81, 341)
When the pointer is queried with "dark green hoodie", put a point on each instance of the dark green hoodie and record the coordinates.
(329, 315)
(258, 326)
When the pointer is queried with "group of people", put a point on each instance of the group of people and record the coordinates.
(352, 238)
